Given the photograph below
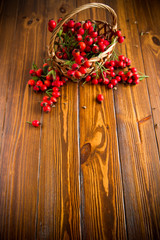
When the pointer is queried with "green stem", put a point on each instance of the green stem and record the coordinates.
(28, 122)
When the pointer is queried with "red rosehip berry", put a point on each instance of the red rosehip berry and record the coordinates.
(75, 66)
(86, 25)
(43, 88)
(118, 78)
(77, 26)
(47, 109)
(112, 63)
(112, 74)
(121, 39)
(78, 37)
(106, 43)
(71, 73)
(76, 52)
(111, 69)
(70, 23)
(88, 40)
(55, 89)
(50, 102)
(45, 98)
(39, 83)
(94, 81)
(79, 60)
(118, 33)
(136, 81)
(83, 70)
(59, 54)
(53, 99)
(93, 34)
(39, 72)
(43, 104)
(47, 83)
(133, 70)
(81, 46)
(88, 49)
(78, 74)
(90, 29)
(121, 58)
(102, 47)
(135, 76)
(110, 85)
(130, 80)
(31, 82)
(95, 49)
(52, 24)
(100, 98)
(56, 94)
(59, 19)
(87, 64)
(88, 78)
(35, 123)
(106, 81)
(32, 72)
(114, 81)
(80, 31)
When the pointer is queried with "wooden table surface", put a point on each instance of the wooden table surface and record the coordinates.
(89, 173)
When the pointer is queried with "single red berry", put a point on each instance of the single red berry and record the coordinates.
(121, 58)
(65, 56)
(86, 25)
(87, 64)
(124, 64)
(70, 24)
(89, 23)
(83, 54)
(114, 81)
(94, 75)
(31, 82)
(128, 63)
(59, 20)
(80, 31)
(110, 85)
(90, 29)
(112, 74)
(106, 43)
(120, 64)
(64, 79)
(81, 46)
(47, 83)
(50, 29)
(35, 123)
(47, 109)
(88, 78)
(100, 98)
(32, 72)
(100, 80)
(106, 81)
(76, 52)
(43, 88)
(71, 73)
(106, 65)
(52, 24)
(79, 60)
(53, 99)
(136, 81)
(78, 37)
(118, 33)
(118, 78)
(43, 104)
(102, 47)
(129, 74)
(77, 26)
(94, 81)
(75, 66)
(112, 63)
(124, 78)
(55, 89)
(95, 40)
(133, 70)
(45, 65)
(78, 74)
(95, 49)
(39, 72)
(59, 54)
(121, 39)
(100, 38)
(93, 34)
(50, 102)
(83, 70)
(88, 40)
(130, 80)
(56, 84)
(35, 88)
(39, 83)
(45, 98)
(111, 69)
(56, 94)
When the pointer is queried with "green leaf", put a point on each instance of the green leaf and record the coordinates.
(34, 66)
(35, 78)
(60, 33)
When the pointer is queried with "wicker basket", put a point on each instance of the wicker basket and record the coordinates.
(103, 27)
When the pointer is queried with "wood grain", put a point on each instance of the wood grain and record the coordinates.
(138, 148)
(20, 146)
(59, 197)
(103, 215)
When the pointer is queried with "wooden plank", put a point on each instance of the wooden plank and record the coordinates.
(137, 142)
(103, 215)
(59, 199)
(20, 147)
(148, 28)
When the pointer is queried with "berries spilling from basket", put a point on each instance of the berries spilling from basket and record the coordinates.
(77, 44)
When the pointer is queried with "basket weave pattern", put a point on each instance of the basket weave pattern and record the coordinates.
(103, 27)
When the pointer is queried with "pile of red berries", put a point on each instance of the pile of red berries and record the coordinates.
(78, 44)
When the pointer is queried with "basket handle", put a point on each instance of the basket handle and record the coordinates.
(72, 13)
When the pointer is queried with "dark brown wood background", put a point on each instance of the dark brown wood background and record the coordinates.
(89, 173)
